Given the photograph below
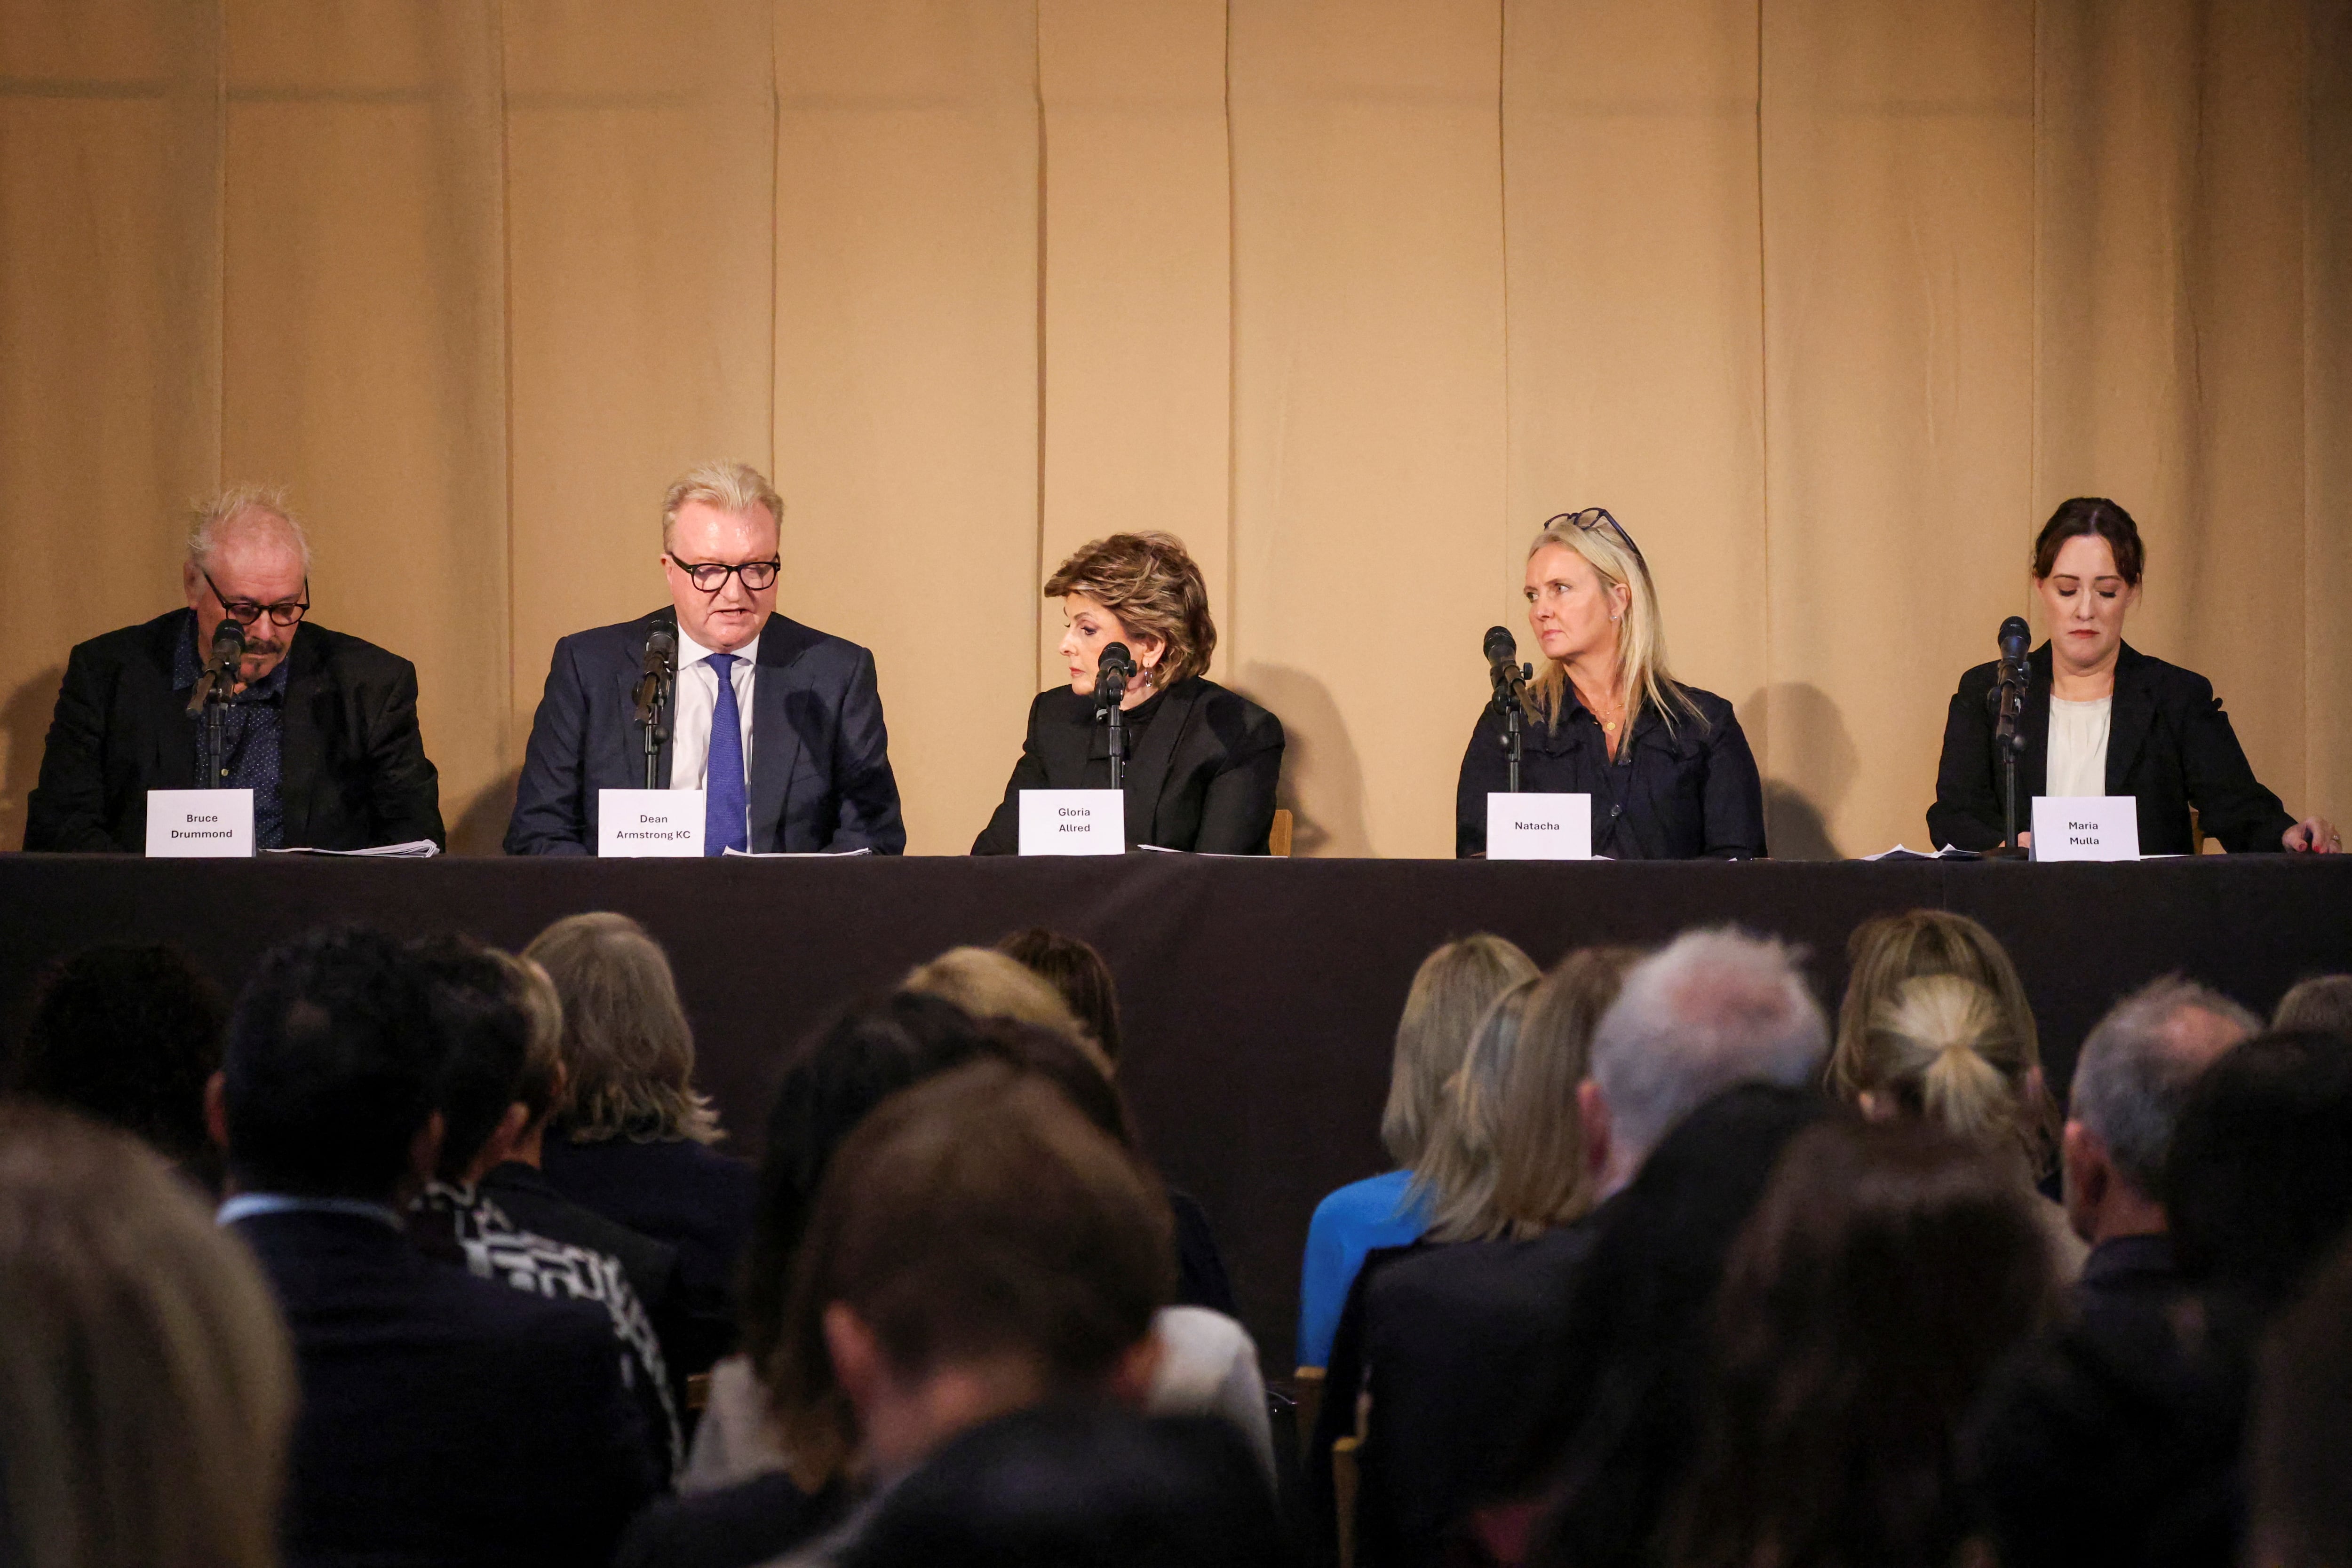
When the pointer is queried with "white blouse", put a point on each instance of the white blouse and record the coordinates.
(2078, 747)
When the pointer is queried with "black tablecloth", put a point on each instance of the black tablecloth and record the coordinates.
(1260, 996)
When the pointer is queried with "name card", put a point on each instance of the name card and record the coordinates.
(199, 824)
(2085, 828)
(1539, 827)
(639, 823)
(1073, 822)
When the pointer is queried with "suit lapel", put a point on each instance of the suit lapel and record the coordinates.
(2129, 718)
(775, 744)
(171, 733)
(1148, 766)
(302, 747)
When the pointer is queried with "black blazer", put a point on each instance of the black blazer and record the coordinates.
(444, 1419)
(678, 1192)
(820, 755)
(1689, 793)
(2169, 744)
(354, 766)
(1200, 776)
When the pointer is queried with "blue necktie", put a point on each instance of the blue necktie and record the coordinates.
(724, 813)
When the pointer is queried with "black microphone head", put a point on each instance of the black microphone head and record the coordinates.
(1501, 644)
(662, 639)
(228, 637)
(1115, 656)
(2016, 637)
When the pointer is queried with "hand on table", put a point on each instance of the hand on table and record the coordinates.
(2314, 835)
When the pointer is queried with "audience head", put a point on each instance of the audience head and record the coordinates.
(2259, 1180)
(2132, 1078)
(1941, 1048)
(1451, 992)
(1077, 973)
(1712, 1009)
(1886, 951)
(1543, 1175)
(1887, 1270)
(1453, 1179)
(1079, 1485)
(628, 1052)
(2299, 1453)
(542, 1084)
(2322, 1002)
(833, 1080)
(146, 1385)
(128, 1035)
(978, 1247)
(330, 1084)
(987, 984)
(485, 1030)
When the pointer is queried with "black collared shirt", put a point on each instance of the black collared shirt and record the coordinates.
(1685, 791)
(253, 731)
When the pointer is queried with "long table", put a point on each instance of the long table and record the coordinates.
(1260, 996)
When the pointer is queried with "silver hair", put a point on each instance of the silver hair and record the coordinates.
(1714, 1010)
(2137, 1066)
(212, 519)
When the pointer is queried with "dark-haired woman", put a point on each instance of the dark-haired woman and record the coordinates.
(1201, 761)
(2103, 718)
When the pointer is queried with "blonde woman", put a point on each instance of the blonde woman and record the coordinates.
(1451, 990)
(1669, 771)
(631, 1136)
(1943, 1049)
(150, 1384)
(1888, 949)
(1201, 760)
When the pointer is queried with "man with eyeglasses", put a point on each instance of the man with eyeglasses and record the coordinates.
(320, 726)
(778, 724)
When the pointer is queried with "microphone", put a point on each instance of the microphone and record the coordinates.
(220, 665)
(2016, 637)
(2008, 696)
(1502, 651)
(1113, 671)
(660, 668)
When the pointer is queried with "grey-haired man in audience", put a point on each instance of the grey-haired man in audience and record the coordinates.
(2134, 1075)
(1711, 1010)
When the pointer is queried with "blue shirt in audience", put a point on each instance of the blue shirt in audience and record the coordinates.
(1348, 1224)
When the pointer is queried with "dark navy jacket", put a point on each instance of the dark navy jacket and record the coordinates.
(820, 757)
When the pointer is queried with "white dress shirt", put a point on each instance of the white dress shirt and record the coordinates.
(697, 699)
(2078, 747)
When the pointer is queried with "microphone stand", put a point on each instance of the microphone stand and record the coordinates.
(216, 764)
(654, 693)
(1110, 690)
(2009, 735)
(1508, 683)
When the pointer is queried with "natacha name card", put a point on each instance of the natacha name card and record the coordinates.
(1539, 827)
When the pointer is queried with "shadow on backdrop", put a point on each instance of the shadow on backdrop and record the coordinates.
(1322, 781)
(1815, 765)
(479, 828)
(24, 725)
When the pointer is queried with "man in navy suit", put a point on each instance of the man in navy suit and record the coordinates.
(444, 1419)
(778, 724)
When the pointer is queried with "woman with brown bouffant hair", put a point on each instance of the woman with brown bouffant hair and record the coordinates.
(2103, 719)
(1201, 760)
(1887, 1271)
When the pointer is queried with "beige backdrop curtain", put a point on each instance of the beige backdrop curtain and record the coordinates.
(1830, 300)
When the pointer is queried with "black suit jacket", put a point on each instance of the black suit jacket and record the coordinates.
(353, 765)
(678, 1192)
(1200, 776)
(2169, 745)
(444, 1419)
(820, 755)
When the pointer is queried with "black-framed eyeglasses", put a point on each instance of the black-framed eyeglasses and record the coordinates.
(711, 576)
(245, 611)
(1590, 520)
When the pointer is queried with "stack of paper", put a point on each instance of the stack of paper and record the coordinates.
(414, 849)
